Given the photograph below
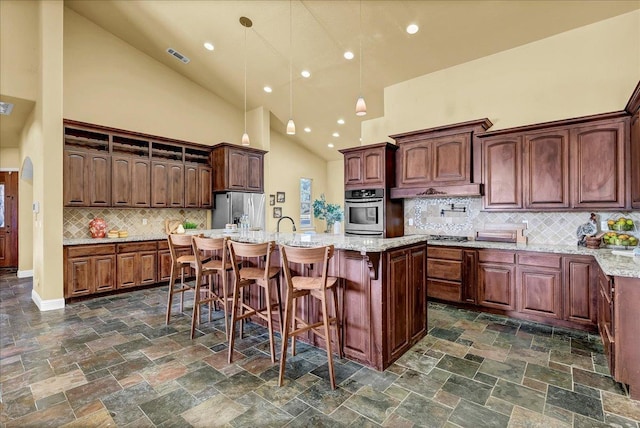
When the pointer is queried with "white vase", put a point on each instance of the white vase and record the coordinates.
(336, 228)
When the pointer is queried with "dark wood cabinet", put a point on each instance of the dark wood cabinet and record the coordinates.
(502, 172)
(369, 167)
(633, 109)
(539, 284)
(605, 318)
(167, 184)
(597, 164)
(444, 273)
(578, 164)
(89, 269)
(205, 197)
(406, 309)
(114, 168)
(496, 279)
(237, 168)
(87, 178)
(438, 161)
(470, 276)
(545, 169)
(131, 182)
(197, 186)
(136, 264)
(580, 290)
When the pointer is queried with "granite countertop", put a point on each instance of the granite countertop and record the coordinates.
(340, 242)
(610, 264)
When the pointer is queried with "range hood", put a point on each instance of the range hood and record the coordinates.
(466, 190)
(440, 162)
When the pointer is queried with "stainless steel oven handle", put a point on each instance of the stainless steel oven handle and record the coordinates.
(379, 234)
(363, 201)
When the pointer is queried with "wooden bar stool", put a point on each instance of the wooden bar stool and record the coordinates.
(211, 258)
(313, 286)
(244, 277)
(178, 246)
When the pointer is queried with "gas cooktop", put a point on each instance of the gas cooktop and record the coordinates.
(449, 238)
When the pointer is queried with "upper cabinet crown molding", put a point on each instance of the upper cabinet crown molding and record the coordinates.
(633, 105)
(439, 161)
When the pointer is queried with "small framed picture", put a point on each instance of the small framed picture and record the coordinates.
(272, 199)
(277, 212)
(280, 197)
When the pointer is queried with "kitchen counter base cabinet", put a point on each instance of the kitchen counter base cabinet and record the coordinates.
(89, 269)
(618, 323)
(137, 264)
(543, 287)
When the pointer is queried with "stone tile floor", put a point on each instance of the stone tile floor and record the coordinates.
(112, 361)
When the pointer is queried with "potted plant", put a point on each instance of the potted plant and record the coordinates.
(329, 212)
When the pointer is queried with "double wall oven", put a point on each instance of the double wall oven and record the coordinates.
(364, 212)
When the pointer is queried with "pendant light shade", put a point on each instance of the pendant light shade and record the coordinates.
(361, 106)
(246, 23)
(291, 127)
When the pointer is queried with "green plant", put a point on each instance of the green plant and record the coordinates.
(325, 211)
(190, 225)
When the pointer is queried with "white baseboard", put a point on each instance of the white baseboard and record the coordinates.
(46, 305)
(25, 273)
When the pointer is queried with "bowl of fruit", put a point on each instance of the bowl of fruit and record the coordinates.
(621, 224)
(614, 239)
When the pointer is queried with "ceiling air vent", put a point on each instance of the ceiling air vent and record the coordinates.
(5, 108)
(178, 55)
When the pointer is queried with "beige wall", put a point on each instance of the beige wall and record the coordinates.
(288, 162)
(108, 82)
(590, 70)
(335, 182)
(19, 48)
(9, 157)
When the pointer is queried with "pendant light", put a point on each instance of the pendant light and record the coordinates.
(361, 106)
(246, 23)
(291, 127)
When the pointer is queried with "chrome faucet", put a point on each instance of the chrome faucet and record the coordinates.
(282, 218)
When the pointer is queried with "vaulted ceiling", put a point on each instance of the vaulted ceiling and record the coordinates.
(451, 32)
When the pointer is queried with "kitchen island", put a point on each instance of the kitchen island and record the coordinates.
(382, 282)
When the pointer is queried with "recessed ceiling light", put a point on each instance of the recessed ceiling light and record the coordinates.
(330, 145)
(348, 55)
(412, 28)
(305, 73)
(208, 46)
(335, 134)
(307, 129)
(340, 121)
(268, 89)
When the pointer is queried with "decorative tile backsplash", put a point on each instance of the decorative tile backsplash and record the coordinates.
(76, 220)
(463, 216)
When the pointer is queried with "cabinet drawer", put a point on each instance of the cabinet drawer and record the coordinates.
(540, 260)
(90, 250)
(444, 290)
(444, 253)
(132, 247)
(444, 269)
(163, 245)
(493, 256)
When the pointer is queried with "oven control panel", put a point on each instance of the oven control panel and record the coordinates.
(364, 194)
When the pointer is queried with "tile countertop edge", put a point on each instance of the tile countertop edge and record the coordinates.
(610, 264)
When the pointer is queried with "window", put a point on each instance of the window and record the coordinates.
(305, 203)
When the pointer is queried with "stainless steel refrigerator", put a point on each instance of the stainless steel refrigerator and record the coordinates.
(229, 208)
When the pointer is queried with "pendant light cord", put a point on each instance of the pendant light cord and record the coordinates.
(360, 41)
(290, 61)
(245, 80)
